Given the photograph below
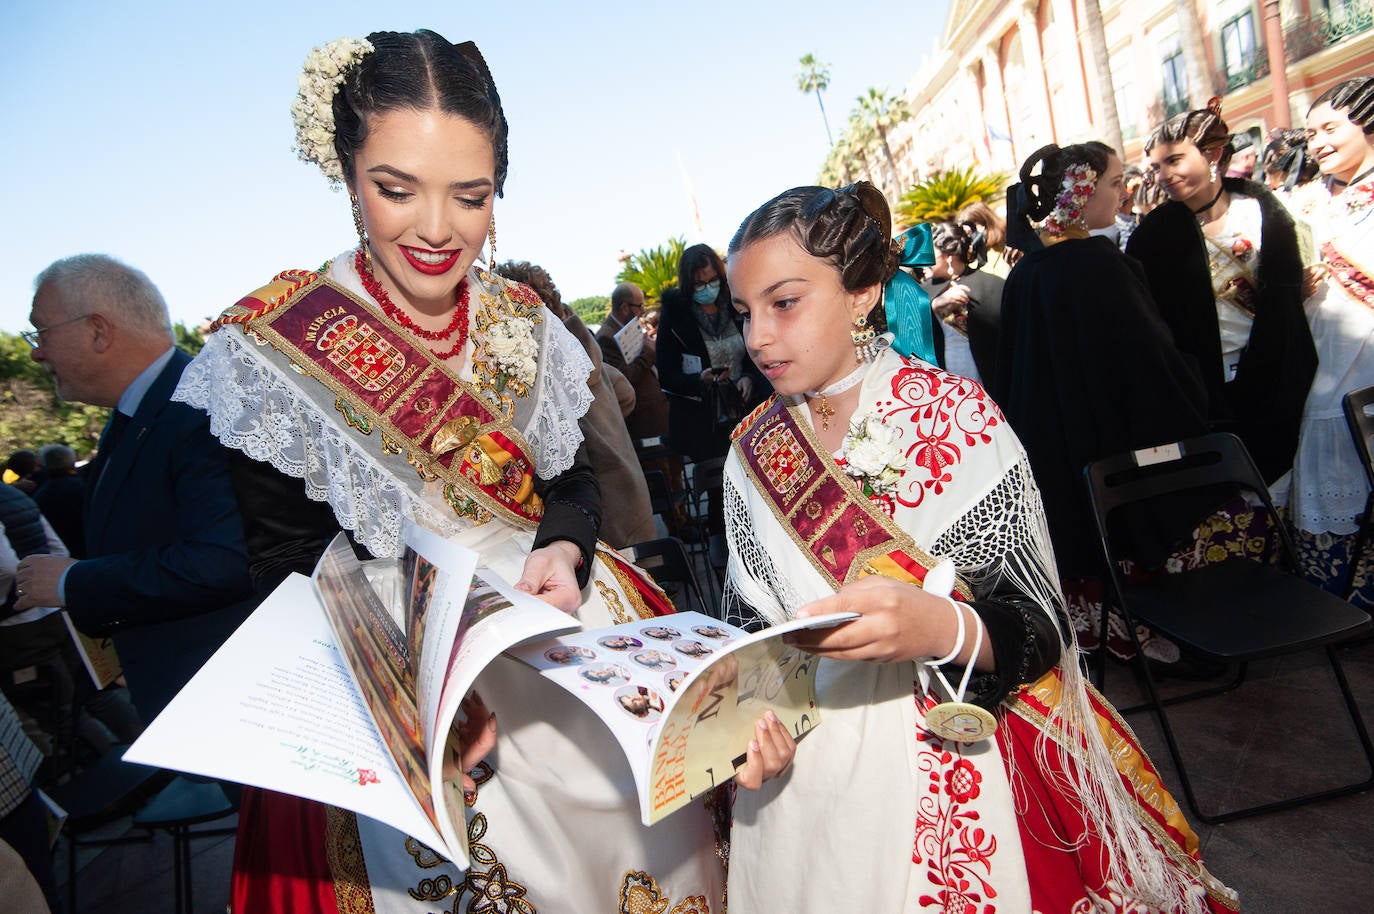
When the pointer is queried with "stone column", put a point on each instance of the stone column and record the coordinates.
(1029, 24)
(995, 114)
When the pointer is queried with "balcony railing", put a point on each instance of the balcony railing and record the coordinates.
(1309, 34)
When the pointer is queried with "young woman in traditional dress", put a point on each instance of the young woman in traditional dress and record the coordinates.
(1329, 488)
(1223, 263)
(868, 473)
(403, 382)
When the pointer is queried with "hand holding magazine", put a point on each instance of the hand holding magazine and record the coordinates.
(346, 688)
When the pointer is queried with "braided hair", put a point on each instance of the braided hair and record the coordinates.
(848, 227)
(419, 71)
(1204, 128)
(965, 240)
(1042, 175)
(1353, 96)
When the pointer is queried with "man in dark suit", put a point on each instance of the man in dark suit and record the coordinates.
(650, 415)
(166, 572)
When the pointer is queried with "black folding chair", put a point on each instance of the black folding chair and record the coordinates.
(1235, 611)
(1357, 405)
(667, 563)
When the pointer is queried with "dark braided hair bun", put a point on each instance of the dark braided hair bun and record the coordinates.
(1042, 175)
(1355, 97)
(419, 71)
(849, 227)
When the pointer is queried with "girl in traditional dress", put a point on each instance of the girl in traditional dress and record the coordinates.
(1329, 488)
(403, 382)
(843, 492)
(966, 301)
(1223, 262)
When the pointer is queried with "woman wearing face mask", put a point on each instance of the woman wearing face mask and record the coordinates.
(396, 377)
(1223, 262)
(1329, 487)
(703, 366)
(1085, 366)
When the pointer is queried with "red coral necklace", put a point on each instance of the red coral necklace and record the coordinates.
(459, 324)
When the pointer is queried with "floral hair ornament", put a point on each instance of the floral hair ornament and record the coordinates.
(312, 110)
(906, 304)
(1080, 180)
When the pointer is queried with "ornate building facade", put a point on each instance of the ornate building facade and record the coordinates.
(1012, 75)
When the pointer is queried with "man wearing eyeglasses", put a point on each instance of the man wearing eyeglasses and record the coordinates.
(166, 571)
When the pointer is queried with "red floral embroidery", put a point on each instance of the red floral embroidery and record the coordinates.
(1241, 248)
(954, 849)
(961, 781)
(944, 414)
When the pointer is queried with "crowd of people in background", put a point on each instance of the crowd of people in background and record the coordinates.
(1104, 307)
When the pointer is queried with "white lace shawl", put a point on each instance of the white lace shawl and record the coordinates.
(257, 405)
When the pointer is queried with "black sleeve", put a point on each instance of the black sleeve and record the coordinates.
(572, 510)
(672, 346)
(1025, 645)
(284, 529)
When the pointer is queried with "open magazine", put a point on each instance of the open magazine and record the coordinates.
(344, 688)
(630, 339)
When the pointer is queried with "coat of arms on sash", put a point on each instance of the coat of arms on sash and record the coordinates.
(782, 459)
(361, 353)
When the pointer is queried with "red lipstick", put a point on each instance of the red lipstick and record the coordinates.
(426, 266)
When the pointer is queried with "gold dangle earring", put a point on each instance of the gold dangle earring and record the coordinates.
(491, 244)
(864, 336)
(362, 232)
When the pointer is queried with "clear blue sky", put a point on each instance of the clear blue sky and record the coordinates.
(159, 133)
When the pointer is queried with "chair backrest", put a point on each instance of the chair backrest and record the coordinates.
(1359, 419)
(1206, 461)
(667, 563)
(660, 495)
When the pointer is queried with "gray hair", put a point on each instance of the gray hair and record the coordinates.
(96, 283)
(57, 457)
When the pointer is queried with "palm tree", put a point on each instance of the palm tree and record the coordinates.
(883, 110)
(861, 137)
(1097, 45)
(654, 269)
(837, 170)
(815, 77)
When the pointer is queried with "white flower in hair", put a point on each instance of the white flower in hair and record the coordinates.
(511, 343)
(312, 110)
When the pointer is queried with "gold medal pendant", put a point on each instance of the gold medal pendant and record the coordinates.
(959, 721)
(956, 720)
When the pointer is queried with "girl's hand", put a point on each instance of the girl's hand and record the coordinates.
(769, 754)
(471, 740)
(551, 575)
(951, 301)
(898, 621)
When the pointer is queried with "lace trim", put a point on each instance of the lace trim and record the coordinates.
(755, 591)
(562, 396)
(254, 408)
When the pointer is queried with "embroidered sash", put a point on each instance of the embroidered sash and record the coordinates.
(843, 534)
(1356, 282)
(1238, 290)
(386, 383)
